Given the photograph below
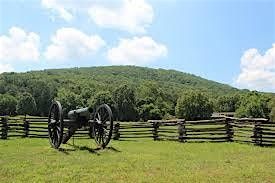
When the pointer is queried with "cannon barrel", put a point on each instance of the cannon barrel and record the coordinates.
(83, 112)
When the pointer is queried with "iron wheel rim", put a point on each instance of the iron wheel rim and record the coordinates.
(103, 125)
(55, 124)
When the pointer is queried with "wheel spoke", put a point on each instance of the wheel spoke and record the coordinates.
(101, 136)
(98, 136)
(105, 116)
(98, 117)
(53, 137)
(58, 129)
(58, 136)
(106, 135)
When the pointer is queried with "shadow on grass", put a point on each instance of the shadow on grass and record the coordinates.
(65, 151)
(95, 151)
(130, 140)
(112, 149)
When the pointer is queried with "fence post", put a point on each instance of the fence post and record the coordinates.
(257, 133)
(116, 131)
(155, 130)
(182, 131)
(90, 130)
(1, 127)
(260, 133)
(26, 127)
(5, 127)
(229, 129)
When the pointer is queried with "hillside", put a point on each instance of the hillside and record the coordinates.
(115, 75)
(85, 83)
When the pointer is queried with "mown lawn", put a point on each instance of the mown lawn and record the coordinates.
(32, 160)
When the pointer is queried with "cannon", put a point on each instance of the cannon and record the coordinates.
(98, 120)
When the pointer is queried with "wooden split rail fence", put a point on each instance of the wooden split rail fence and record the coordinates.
(33, 127)
(256, 131)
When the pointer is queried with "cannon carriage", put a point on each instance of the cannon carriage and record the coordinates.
(98, 120)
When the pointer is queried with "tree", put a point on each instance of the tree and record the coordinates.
(69, 100)
(26, 104)
(253, 105)
(154, 102)
(193, 105)
(272, 109)
(125, 103)
(227, 103)
(163, 87)
(103, 97)
(149, 111)
(87, 93)
(7, 104)
(43, 93)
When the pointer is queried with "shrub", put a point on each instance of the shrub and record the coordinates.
(26, 104)
(149, 111)
(193, 106)
(69, 100)
(125, 103)
(7, 104)
(272, 108)
(227, 103)
(253, 105)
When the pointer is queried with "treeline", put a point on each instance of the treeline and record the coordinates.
(134, 93)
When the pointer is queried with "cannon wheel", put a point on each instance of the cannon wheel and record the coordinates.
(103, 125)
(55, 124)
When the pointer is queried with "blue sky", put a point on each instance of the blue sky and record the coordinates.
(229, 41)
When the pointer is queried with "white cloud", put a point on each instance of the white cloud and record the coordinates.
(19, 45)
(68, 43)
(136, 51)
(6, 68)
(258, 71)
(58, 7)
(133, 16)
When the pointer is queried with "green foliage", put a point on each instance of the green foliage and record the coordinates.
(227, 103)
(154, 102)
(160, 88)
(43, 94)
(193, 106)
(26, 104)
(272, 109)
(253, 105)
(148, 110)
(103, 97)
(69, 100)
(7, 104)
(125, 103)
(87, 93)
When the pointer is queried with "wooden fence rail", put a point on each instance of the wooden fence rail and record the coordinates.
(255, 131)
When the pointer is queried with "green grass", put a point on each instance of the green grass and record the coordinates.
(32, 160)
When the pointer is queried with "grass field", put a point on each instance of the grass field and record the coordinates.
(32, 160)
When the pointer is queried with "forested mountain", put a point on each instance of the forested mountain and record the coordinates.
(77, 87)
(111, 76)
(116, 75)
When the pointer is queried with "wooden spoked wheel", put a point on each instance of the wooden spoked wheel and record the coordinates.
(103, 125)
(55, 124)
